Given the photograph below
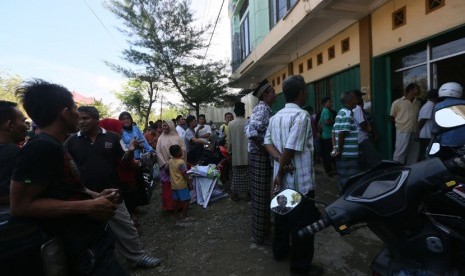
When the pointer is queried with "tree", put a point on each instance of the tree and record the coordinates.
(164, 43)
(206, 85)
(103, 109)
(8, 85)
(132, 97)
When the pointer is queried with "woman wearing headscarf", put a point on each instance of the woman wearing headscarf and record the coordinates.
(126, 171)
(138, 195)
(168, 137)
(130, 132)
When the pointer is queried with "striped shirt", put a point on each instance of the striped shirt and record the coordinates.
(345, 122)
(291, 128)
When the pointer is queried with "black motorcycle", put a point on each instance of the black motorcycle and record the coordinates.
(417, 211)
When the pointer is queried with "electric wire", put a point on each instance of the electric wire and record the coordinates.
(101, 22)
(214, 27)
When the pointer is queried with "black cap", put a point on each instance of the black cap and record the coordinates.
(239, 106)
(262, 87)
(359, 93)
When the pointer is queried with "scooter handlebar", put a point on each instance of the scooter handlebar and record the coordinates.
(315, 227)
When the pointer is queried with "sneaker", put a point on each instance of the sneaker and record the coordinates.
(147, 262)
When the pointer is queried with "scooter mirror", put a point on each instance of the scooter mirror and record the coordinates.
(435, 147)
(451, 116)
(285, 201)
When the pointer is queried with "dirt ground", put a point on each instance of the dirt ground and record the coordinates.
(219, 241)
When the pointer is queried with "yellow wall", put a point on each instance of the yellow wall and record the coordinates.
(329, 67)
(419, 24)
(278, 87)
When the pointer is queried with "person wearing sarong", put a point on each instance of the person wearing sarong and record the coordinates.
(259, 162)
(345, 139)
(168, 138)
(239, 155)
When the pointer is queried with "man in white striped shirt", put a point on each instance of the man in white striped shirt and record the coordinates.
(289, 141)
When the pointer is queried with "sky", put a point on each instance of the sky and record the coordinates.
(63, 41)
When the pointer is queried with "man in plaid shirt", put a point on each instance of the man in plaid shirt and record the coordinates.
(289, 141)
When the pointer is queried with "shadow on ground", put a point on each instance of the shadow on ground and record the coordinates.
(219, 241)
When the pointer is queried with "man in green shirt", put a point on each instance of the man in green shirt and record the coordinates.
(326, 125)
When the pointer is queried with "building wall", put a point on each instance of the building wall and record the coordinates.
(340, 62)
(419, 24)
(271, 37)
(259, 26)
(261, 18)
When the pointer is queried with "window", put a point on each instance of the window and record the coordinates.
(243, 9)
(272, 82)
(301, 68)
(309, 64)
(245, 38)
(331, 52)
(399, 18)
(278, 81)
(284, 77)
(319, 59)
(345, 45)
(278, 9)
(432, 5)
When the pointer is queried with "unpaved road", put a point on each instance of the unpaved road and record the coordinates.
(219, 241)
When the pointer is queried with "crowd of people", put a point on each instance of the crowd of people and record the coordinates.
(80, 178)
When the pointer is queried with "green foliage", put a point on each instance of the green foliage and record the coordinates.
(8, 85)
(134, 98)
(103, 109)
(165, 45)
(206, 84)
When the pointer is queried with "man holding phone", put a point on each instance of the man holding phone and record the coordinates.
(96, 152)
(46, 185)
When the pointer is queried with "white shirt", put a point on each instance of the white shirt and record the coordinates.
(359, 118)
(291, 128)
(206, 129)
(181, 132)
(426, 112)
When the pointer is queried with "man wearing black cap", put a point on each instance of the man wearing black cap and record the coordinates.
(369, 157)
(238, 148)
(259, 161)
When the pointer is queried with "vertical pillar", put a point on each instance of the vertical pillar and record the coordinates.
(365, 56)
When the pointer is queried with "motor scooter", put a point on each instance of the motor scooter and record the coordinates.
(417, 211)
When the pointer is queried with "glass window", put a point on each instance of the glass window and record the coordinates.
(410, 57)
(243, 8)
(432, 5)
(309, 64)
(319, 59)
(245, 38)
(279, 8)
(449, 48)
(345, 45)
(282, 8)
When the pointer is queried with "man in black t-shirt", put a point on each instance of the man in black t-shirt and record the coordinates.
(46, 185)
(96, 152)
(25, 241)
(13, 130)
